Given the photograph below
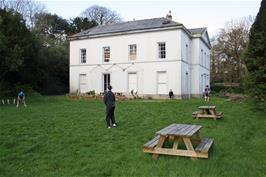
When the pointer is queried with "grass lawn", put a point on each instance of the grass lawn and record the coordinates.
(55, 137)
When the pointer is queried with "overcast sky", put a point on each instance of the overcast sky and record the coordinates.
(193, 14)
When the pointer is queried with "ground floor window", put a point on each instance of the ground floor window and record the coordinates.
(106, 82)
(82, 83)
(201, 83)
(132, 82)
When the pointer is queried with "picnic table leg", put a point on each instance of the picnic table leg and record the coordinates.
(196, 139)
(175, 145)
(205, 111)
(189, 145)
(213, 112)
(159, 145)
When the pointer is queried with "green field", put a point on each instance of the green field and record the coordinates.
(56, 137)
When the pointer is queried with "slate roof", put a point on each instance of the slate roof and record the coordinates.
(128, 26)
(197, 30)
(137, 25)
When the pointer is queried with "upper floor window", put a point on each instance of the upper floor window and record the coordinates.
(208, 61)
(186, 53)
(82, 55)
(201, 57)
(162, 49)
(132, 52)
(205, 59)
(106, 54)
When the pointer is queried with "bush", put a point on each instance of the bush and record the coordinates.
(7, 90)
(229, 88)
(27, 89)
(92, 92)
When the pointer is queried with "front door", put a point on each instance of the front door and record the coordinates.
(82, 83)
(161, 82)
(106, 82)
(132, 82)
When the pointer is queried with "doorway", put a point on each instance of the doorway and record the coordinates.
(161, 82)
(82, 83)
(106, 82)
(132, 82)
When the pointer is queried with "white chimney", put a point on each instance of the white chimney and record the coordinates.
(169, 16)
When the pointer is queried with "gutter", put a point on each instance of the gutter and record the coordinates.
(71, 38)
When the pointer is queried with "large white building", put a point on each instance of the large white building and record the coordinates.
(149, 56)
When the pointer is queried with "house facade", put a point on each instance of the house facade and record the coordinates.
(148, 56)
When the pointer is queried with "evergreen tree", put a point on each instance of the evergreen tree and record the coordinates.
(79, 24)
(256, 56)
(17, 50)
(53, 54)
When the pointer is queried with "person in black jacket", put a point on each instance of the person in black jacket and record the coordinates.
(109, 101)
(171, 94)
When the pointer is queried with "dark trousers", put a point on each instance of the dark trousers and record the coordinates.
(110, 115)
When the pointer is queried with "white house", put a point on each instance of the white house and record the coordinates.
(149, 56)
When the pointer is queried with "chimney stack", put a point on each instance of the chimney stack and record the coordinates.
(169, 16)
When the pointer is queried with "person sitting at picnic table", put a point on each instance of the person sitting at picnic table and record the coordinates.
(21, 98)
(171, 94)
(207, 91)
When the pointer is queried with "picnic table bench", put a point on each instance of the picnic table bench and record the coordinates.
(189, 134)
(207, 112)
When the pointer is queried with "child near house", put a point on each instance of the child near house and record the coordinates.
(171, 94)
(207, 91)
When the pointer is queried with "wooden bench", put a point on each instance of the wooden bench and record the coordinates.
(219, 114)
(152, 143)
(194, 114)
(204, 145)
(180, 132)
(207, 112)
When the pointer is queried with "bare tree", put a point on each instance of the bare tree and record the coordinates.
(228, 49)
(101, 15)
(27, 8)
(3, 4)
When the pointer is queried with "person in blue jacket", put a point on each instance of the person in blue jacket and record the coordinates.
(21, 98)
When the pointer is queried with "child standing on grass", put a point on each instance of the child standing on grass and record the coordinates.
(21, 98)
(207, 91)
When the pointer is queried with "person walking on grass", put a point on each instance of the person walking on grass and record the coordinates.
(21, 98)
(207, 91)
(109, 101)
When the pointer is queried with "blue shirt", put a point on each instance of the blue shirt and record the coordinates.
(21, 94)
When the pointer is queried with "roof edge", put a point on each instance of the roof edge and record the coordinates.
(72, 38)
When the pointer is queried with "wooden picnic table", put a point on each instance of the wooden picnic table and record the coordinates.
(207, 112)
(189, 134)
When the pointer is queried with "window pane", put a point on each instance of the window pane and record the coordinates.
(162, 49)
(106, 54)
(83, 55)
(132, 51)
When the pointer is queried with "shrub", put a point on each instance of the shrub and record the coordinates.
(25, 88)
(226, 88)
(92, 92)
